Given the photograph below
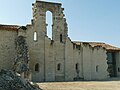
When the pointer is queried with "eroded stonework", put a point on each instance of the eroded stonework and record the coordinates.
(58, 58)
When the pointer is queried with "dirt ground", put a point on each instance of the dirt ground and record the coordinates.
(83, 85)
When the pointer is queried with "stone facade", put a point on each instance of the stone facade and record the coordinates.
(58, 58)
(7, 48)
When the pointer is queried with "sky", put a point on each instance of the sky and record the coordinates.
(88, 20)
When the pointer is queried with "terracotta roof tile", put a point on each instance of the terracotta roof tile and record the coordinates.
(107, 46)
(104, 45)
(8, 27)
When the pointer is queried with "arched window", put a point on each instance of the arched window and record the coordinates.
(61, 38)
(37, 67)
(49, 23)
(59, 67)
(35, 36)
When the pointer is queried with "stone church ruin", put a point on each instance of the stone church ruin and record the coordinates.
(28, 49)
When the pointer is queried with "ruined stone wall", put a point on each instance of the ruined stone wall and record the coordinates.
(99, 64)
(94, 63)
(7, 48)
(49, 60)
(78, 61)
(87, 56)
(36, 53)
(69, 61)
(44, 51)
(51, 53)
(48, 54)
(56, 59)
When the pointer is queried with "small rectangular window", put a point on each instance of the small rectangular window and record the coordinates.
(37, 67)
(59, 67)
(61, 38)
(118, 69)
(35, 36)
(76, 66)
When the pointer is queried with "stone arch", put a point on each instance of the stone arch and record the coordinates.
(58, 20)
(50, 9)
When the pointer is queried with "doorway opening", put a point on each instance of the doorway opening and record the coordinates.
(111, 61)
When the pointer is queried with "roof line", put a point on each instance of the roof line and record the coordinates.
(9, 27)
(48, 2)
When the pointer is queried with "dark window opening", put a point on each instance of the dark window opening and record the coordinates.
(77, 66)
(61, 38)
(111, 61)
(37, 67)
(59, 67)
(97, 68)
(118, 69)
(73, 46)
(78, 47)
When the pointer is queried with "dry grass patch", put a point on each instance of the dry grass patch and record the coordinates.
(84, 85)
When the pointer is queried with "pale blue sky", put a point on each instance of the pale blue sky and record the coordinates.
(88, 20)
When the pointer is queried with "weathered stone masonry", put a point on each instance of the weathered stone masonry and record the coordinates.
(58, 58)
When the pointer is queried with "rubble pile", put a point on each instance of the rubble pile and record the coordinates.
(18, 77)
(9, 80)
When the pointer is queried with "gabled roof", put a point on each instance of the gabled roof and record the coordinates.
(108, 47)
(9, 27)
